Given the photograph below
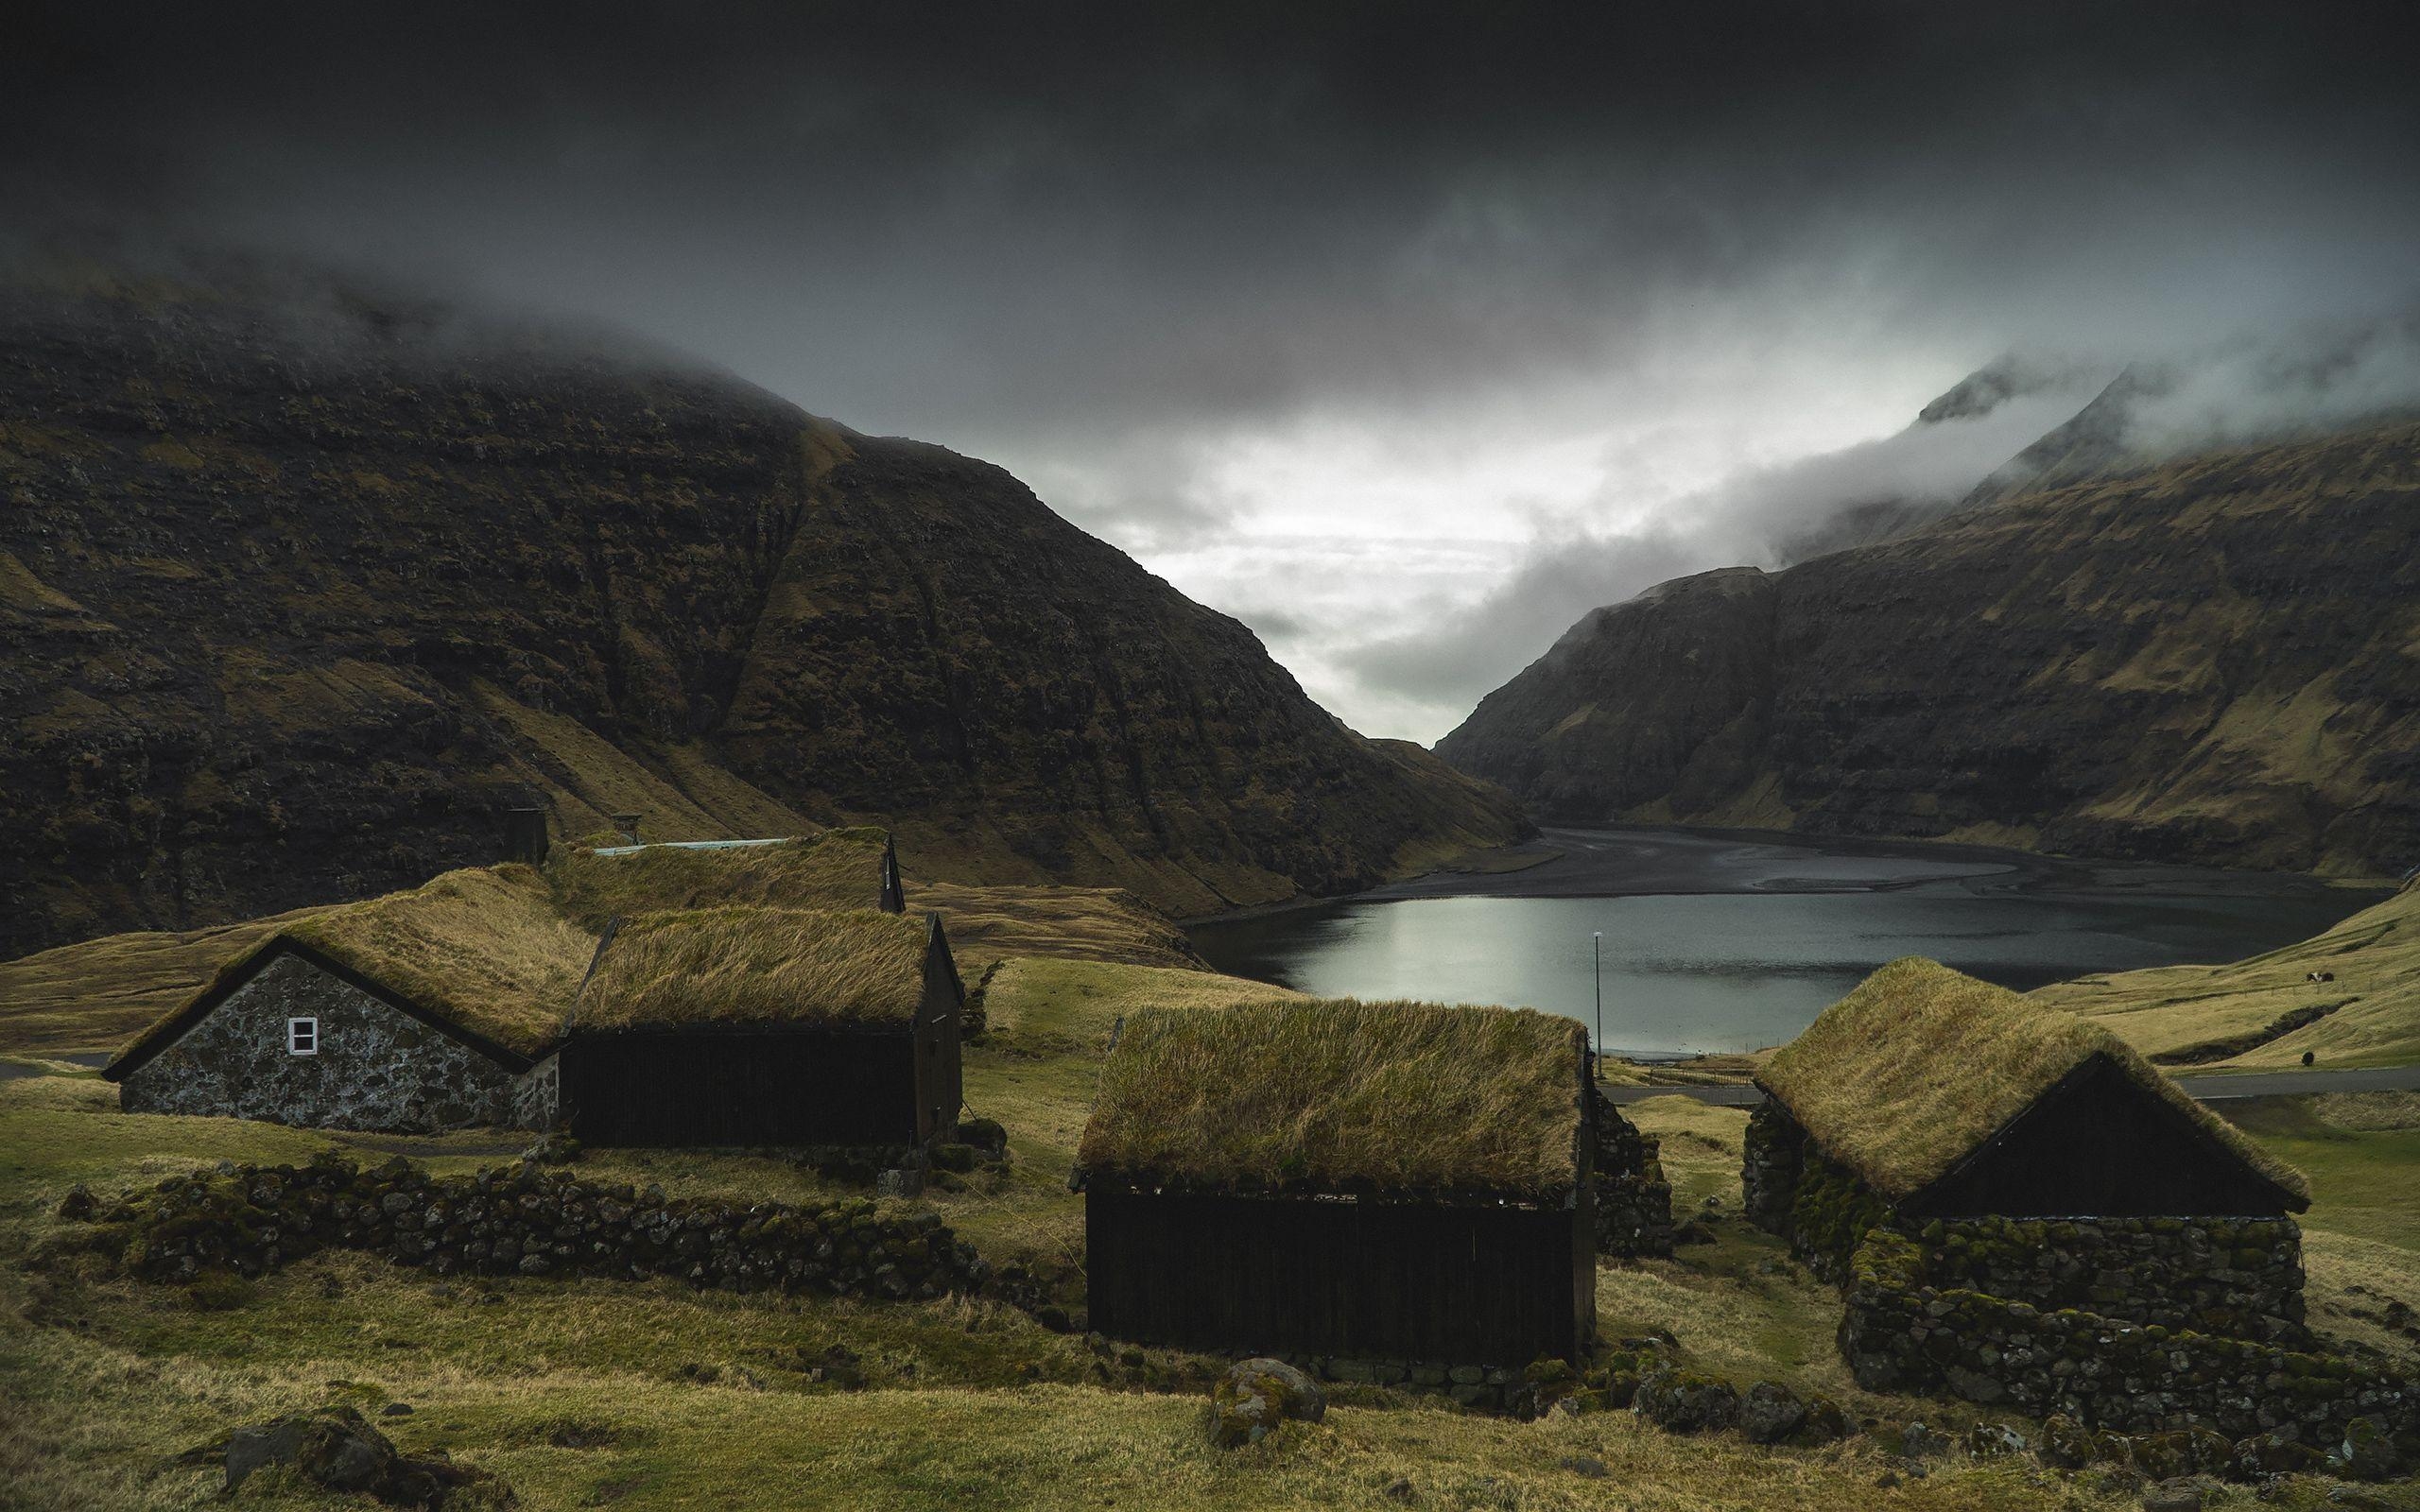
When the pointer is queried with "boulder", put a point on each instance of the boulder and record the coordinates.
(1995, 1441)
(2181, 1495)
(1921, 1442)
(553, 1149)
(1256, 1396)
(2367, 1453)
(1680, 1402)
(1827, 1422)
(1770, 1413)
(336, 1448)
(2266, 1454)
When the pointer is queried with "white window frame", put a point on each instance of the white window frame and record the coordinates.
(299, 1031)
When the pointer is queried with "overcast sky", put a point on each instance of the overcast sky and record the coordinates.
(1403, 333)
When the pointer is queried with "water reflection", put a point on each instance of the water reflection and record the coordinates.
(1750, 966)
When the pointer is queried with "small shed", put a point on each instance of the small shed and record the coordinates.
(1387, 1181)
(1947, 1097)
(416, 1011)
(751, 1026)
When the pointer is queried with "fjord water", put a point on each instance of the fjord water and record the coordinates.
(1720, 942)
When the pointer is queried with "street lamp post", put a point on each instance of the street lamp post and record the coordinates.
(1598, 938)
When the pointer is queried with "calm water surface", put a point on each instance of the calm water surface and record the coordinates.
(1715, 943)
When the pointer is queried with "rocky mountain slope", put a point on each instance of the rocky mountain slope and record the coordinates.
(2216, 660)
(294, 600)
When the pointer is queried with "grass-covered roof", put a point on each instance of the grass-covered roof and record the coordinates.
(756, 967)
(1342, 1096)
(839, 868)
(1909, 1073)
(483, 948)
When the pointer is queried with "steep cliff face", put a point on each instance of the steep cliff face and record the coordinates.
(2213, 660)
(292, 605)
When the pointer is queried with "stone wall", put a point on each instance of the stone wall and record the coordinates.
(1483, 1388)
(1634, 1200)
(376, 1067)
(2237, 1277)
(1902, 1332)
(521, 1220)
(1768, 1164)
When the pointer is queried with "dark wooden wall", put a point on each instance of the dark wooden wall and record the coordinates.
(2098, 1144)
(709, 1088)
(1461, 1285)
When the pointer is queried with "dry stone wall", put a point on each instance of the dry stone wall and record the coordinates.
(522, 1220)
(1900, 1332)
(1634, 1200)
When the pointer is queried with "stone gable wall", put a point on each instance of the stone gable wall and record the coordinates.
(376, 1068)
(2237, 1277)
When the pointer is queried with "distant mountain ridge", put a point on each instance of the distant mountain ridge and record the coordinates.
(295, 599)
(2214, 659)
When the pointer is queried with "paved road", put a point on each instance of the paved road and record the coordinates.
(2208, 1089)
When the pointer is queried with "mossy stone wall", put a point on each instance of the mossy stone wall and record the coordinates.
(521, 1219)
(1901, 1331)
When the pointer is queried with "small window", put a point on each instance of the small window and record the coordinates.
(303, 1036)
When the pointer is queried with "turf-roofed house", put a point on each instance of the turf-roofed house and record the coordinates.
(766, 1027)
(1403, 1186)
(1931, 1134)
(427, 1009)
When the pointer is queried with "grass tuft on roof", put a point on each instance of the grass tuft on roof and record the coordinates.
(839, 868)
(1342, 1096)
(1905, 1075)
(482, 948)
(756, 967)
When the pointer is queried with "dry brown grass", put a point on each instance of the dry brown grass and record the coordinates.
(95, 995)
(482, 947)
(839, 868)
(757, 965)
(1341, 1095)
(1076, 924)
(1920, 1064)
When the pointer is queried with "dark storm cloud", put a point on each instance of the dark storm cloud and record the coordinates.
(1093, 241)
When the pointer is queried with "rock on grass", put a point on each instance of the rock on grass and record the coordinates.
(1253, 1398)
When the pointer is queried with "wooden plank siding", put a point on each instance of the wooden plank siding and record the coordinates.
(1460, 1284)
(702, 1088)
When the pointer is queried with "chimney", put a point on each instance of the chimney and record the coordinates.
(525, 835)
(629, 825)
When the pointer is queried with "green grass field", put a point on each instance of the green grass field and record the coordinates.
(606, 1393)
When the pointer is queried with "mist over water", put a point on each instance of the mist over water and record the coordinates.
(1787, 930)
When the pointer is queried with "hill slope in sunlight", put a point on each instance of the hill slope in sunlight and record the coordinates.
(2213, 660)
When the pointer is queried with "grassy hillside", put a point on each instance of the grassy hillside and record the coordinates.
(2263, 1013)
(294, 603)
(596, 1394)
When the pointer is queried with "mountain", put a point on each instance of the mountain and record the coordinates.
(2213, 660)
(297, 595)
(2010, 389)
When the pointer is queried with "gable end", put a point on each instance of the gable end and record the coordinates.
(230, 983)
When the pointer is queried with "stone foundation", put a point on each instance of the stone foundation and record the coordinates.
(1480, 1389)
(1903, 1332)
